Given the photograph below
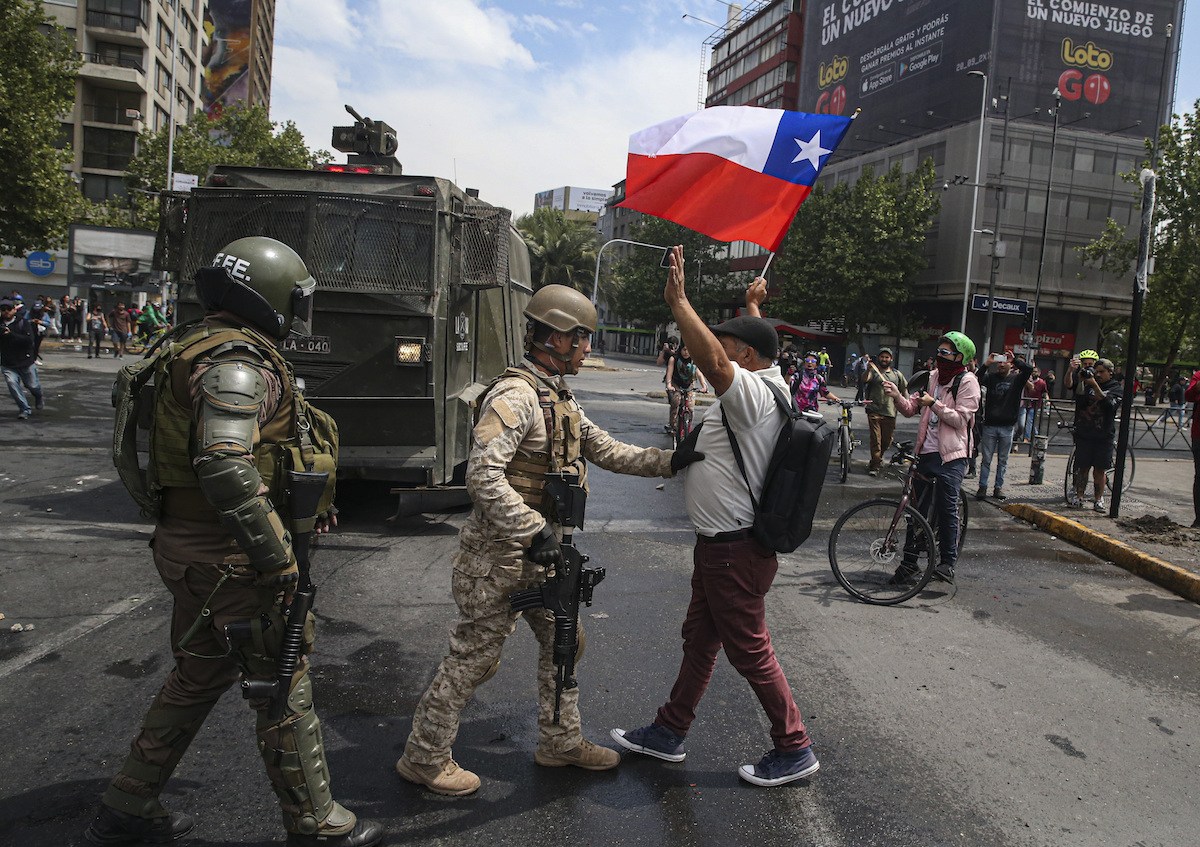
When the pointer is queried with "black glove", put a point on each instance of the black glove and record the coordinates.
(544, 549)
(686, 452)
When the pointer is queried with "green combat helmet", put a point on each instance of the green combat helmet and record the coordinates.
(263, 281)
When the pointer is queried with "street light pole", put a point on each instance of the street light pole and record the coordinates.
(974, 198)
(1037, 288)
(987, 332)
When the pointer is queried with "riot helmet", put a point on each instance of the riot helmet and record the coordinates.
(262, 281)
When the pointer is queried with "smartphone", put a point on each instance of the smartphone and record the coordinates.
(666, 259)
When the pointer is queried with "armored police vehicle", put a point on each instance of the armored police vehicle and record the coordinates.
(421, 288)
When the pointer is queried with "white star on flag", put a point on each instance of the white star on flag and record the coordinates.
(811, 150)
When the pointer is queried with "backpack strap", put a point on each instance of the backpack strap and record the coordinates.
(785, 404)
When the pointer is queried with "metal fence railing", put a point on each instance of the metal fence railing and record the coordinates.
(1151, 427)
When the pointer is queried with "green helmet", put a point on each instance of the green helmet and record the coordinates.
(562, 308)
(263, 281)
(961, 343)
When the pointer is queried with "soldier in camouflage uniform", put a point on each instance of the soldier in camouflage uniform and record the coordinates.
(227, 411)
(529, 424)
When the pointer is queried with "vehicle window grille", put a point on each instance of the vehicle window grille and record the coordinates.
(484, 242)
(353, 244)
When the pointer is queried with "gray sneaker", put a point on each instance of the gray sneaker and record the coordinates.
(1074, 500)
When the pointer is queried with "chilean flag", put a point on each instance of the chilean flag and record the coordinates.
(733, 173)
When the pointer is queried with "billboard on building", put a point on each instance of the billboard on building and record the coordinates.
(1106, 59)
(570, 198)
(226, 58)
(903, 62)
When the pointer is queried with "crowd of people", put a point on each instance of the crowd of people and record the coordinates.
(27, 323)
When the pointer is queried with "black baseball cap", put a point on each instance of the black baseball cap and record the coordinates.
(7, 304)
(759, 333)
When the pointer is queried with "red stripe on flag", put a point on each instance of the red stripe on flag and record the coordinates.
(713, 196)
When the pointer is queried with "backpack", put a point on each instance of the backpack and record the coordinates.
(783, 514)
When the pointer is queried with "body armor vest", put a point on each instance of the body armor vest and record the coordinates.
(526, 473)
(297, 437)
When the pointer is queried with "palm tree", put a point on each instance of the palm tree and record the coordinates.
(562, 250)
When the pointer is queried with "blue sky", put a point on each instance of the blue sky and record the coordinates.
(511, 96)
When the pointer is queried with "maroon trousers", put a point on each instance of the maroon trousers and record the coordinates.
(730, 582)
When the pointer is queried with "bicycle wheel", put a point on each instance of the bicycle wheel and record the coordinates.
(1130, 467)
(881, 554)
(1069, 477)
(844, 445)
(684, 426)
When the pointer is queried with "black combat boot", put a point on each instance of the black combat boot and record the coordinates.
(364, 834)
(114, 827)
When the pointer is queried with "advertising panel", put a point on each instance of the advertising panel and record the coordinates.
(226, 78)
(588, 199)
(1105, 58)
(106, 256)
(903, 62)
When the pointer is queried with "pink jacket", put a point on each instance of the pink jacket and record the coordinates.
(956, 415)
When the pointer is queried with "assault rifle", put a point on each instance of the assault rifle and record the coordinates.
(304, 490)
(571, 584)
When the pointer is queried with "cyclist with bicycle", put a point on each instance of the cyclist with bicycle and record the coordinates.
(682, 376)
(943, 444)
(809, 384)
(1098, 396)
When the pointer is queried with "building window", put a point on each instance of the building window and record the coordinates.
(188, 74)
(1085, 159)
(1018, 151)
(164, 36)
(162, 79)
(118, 55)
(1039, 154)
(110, 149)
(125, 15)
(161, 118)
(66, 136)
(1106, 162)
(98, 188)
(189, 32)
(1098, 209)
(107, 105)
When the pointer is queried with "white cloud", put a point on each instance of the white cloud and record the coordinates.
(448, 32)
(328, 21)
(539, 22)
(507, 131)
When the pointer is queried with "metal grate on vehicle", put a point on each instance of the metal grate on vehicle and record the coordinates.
(357, 244)
(172, 218)
(484, 243)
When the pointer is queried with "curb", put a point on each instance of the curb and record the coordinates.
(1162, 573)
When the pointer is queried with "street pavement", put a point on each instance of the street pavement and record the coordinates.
(1047, 699)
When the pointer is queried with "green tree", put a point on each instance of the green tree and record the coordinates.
(242, 135)
(562, 250)
(633, 286)
(1171, 317)
(854, 250)
(37, 86)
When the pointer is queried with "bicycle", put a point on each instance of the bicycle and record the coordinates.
(846, 442)
(1069, 477)
(884, 551)
(683, 417)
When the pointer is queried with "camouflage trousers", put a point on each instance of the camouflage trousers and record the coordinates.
(482, 580)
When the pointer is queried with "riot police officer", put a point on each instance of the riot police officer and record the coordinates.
(229, 423)
(529, 425)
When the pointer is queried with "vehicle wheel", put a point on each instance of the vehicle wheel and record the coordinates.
(867, 552)
(844, 445)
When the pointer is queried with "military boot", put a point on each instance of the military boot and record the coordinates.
(115, 827)
(447, 778)
(589, 756)
(340, 829)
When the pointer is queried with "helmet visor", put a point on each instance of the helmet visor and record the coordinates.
(302, 306)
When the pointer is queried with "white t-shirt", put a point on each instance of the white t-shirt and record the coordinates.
(713, 489)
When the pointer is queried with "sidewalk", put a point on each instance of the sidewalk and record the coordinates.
(1152, 537)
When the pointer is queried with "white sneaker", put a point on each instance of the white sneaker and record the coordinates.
(1099, 505)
